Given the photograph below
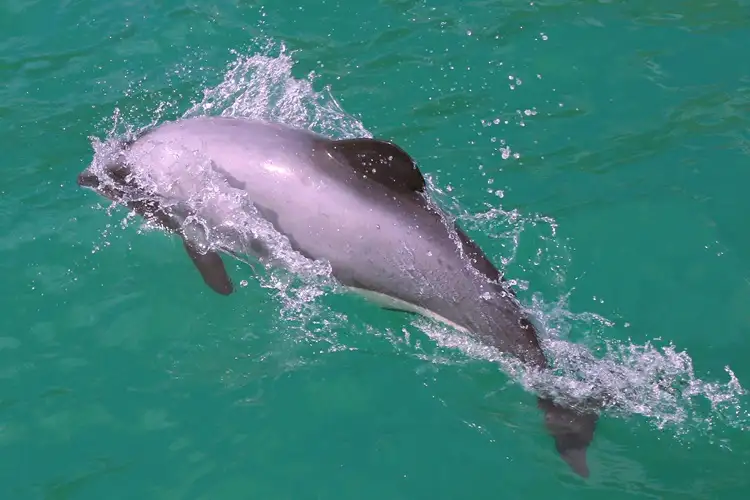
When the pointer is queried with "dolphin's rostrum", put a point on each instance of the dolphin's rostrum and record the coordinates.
(359, 204)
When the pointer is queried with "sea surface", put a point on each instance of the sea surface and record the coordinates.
(598, 151)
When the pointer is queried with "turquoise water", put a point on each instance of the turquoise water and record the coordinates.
(597, 150)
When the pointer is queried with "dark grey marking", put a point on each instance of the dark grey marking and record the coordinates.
(273, 218)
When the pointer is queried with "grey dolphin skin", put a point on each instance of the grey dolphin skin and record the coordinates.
(359, 204)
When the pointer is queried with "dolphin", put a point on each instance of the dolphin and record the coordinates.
(359, 204)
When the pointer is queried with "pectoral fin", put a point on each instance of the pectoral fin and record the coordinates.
(211, 268)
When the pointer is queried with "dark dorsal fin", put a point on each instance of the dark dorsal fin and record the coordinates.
(380, 161)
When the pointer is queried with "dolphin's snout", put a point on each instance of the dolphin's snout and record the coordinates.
(87, 179)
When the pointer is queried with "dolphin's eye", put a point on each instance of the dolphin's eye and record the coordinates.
(119, 173)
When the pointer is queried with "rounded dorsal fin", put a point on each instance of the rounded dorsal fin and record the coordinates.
(380, 161)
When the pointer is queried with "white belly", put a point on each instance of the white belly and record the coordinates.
(387, 301)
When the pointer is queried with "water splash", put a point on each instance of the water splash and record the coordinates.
(658, 383)
(261, 86)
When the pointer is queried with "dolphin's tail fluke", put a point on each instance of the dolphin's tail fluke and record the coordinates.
(573, 431)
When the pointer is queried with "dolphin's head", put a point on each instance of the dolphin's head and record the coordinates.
(573, 430)
(109, 175)
(115, 180)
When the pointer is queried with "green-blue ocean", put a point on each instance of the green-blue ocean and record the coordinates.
(597, 151)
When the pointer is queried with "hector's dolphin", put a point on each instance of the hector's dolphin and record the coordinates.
(359, 204)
